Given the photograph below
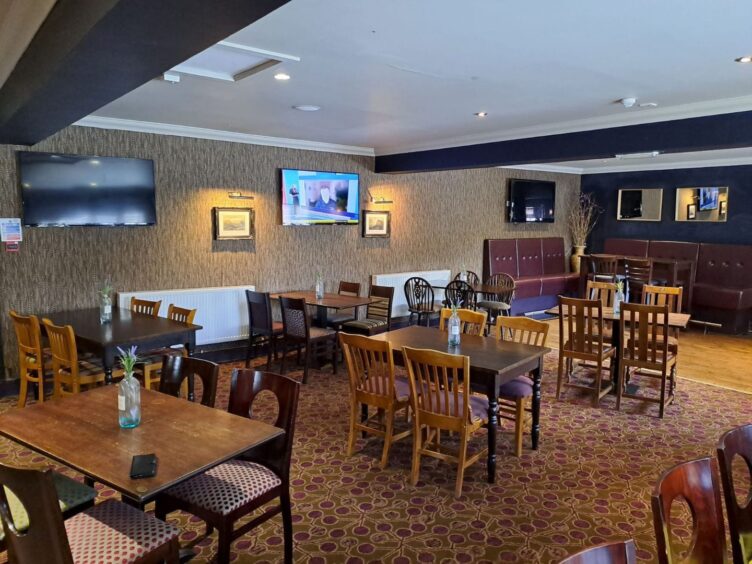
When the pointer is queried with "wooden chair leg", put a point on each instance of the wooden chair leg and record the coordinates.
(23, 391)
(335, 353)
(387, 437)
(417, 446)
(173, 556)
(560, 377)
(620, 383)
(307, 362)
(461, 464)
(224, 541)
(519, 425)
(40, 387)
(284, 355)
(270, 346)
(598, 377)
(249, 352)
(663, 394)
(352, 436)
(287, 523)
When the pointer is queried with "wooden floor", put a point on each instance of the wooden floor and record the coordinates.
(720, 360)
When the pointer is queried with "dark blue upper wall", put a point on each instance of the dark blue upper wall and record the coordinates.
(737, 230)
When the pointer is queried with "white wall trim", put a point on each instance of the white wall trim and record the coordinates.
(219, 135)
(688, 163)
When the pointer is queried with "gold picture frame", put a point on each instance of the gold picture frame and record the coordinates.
(234, 223)
(376, 223)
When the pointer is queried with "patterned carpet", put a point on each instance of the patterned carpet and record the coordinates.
(590, 482)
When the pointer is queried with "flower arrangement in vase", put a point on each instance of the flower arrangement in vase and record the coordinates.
(129, 391)
(581, 220)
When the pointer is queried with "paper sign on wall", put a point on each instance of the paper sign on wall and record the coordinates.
(10, 229)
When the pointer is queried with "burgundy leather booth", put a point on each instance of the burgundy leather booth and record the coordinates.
(626, 247)
(538, 266)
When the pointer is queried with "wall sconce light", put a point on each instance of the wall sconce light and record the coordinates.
(238, 196)
(379, 200)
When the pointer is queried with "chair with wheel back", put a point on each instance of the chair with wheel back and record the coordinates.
(459, 294)
(378, 317)
(470, 277)
(177, 371)
(471, 322)
(737, 443)
(420, 299)
(33, 360)
(498, 302)
(147, 307)
(619, 552)
(262, 329)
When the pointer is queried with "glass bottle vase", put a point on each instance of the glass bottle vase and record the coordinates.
(453, 327)
(618, 299)
(129, 402)
(105, 308)
(319, 288)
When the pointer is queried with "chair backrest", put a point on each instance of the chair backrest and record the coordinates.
(641, 328)
(181, 314)
(175, 369)
(245, 386)
(663, 295)
(295, 322)
(63, 349)
(460, 294)
(259, 312)
(737, 442)
(348, 288)
(580, 327)
(603, 291)
(697, 483)
(29, 336)
(45, 539)
(471, 277)
(521, 330)
(619, 552)
(418, 293)
(471, 322)
(147, 307)
(370, 367)
(382, 309)
(604, 268)
(504, 291)
(638, 272)
(439, 387)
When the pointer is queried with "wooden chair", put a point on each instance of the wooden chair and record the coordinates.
(336, 320)
(226, 493)
(420, 299)
(152, 360)
(441, 400)
(697, 483)
(370, 366)
(605, 292)
(515, 396)
(499, 302)
(69, 371)
(460, 294)
(262, 329)
(109, 531)
(638, 274)
(737, 442)
(619, 552)
(378, 317)
(176, 371)
(644, 351)
(669, 296)
(603, 268)
(472, 278)
(147, 307)
(471, 322)
(33, 360)
(297, 331)
(581, 339)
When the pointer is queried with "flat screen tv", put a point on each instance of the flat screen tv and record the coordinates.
(72, 190)
(708, 199)
(320, 198)
(531, 201)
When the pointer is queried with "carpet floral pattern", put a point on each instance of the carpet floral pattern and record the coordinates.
(590, 482)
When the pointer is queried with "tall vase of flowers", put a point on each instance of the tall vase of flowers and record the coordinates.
(581, 220)
(129, 391)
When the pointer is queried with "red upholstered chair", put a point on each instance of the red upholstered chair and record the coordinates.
(620, 552)
(108, 532)
(737, 442)
(226, 493)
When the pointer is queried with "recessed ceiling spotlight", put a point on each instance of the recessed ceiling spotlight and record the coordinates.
(307, 108)
(744, 59)
(282, 76)
(480, 114)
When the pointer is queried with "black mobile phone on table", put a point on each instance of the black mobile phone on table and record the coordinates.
(144, 466)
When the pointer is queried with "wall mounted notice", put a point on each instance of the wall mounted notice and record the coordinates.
(10, 229)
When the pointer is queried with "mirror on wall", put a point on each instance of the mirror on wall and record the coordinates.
(639, 204)
(706, 203)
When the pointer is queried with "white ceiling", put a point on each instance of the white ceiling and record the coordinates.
(396, 75)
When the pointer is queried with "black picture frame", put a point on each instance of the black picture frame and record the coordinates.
(234, 223)
(372, 227)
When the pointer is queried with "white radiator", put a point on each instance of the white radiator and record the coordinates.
(397, 281)
(222, 311)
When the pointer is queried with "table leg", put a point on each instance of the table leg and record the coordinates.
(493, 424)
(363, 417)
(536, 374)
(321, 316)
(616, 343)
(108, 361)
(189, 345)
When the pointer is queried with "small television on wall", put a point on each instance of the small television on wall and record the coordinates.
(707, 199)
(320, 198)
(73, 190)
(531, 201)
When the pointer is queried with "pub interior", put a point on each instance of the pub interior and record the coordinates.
(375, 282)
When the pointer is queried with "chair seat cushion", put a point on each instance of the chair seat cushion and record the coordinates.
(478, 406)
(490, 304)
(226, 487)
(277, 327)
(401, 388)
(336, 319)
(114, 533)
(321, 332)
(520, 387)
(365, 324)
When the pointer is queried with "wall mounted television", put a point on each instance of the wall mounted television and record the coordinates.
(320, 198)
(531, 201)
(73, 190)
(707, 199)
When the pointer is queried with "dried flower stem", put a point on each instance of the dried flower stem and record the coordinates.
(582, 218)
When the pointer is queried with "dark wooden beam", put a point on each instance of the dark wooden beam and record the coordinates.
(88, 53)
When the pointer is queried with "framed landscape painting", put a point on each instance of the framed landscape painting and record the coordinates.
(234, 223)
(376, 223)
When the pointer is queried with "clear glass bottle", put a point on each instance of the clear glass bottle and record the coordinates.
(453, 329)
(129, 402)
(319, 287)
(618, 299)
(105, 307)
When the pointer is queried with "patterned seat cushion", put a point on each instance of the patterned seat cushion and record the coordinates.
(321, 332)
(365, 324)
(520, 387)
(478, 406)
(490, 304)
(226, 487)
(115, 533)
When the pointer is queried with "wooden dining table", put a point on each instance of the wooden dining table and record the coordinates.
(82, 432)
(127, 328)
(336, 302)
(492, 363)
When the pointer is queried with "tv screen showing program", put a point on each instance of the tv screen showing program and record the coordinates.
(319, 198)
(708, 198)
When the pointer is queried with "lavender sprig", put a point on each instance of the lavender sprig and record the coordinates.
(128, 359)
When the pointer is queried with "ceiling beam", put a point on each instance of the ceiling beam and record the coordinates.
(724, 131)
(88, 53)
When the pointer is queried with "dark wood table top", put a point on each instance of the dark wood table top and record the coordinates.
(82, 432)
(329, 301)
(680, 320)
(126, 327)
(486, 353)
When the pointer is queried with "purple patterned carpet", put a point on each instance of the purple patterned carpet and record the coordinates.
(590, 482)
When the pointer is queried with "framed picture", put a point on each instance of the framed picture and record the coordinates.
(234, 223)
(376, 223)
(691, 211)
(722, 207)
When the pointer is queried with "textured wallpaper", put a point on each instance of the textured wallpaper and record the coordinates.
(439, 220)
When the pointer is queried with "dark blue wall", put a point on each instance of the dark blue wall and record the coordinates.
(736, 230)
